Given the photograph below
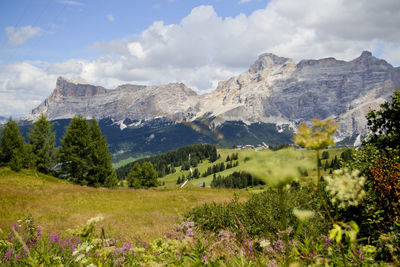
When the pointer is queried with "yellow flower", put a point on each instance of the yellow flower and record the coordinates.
(318, 136)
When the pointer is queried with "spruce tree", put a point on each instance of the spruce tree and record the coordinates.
(74, 151)
(100, 171)
(150, 175)
(12, 146)
(42, 142)
(134, 176)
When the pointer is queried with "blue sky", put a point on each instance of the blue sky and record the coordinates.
(158, 41)
(70, 28)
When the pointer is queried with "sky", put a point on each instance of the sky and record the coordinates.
(197, 42)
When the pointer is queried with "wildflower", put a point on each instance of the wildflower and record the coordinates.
(318, 136)
(279, 246)
(96, 219)
(345, 187)
(8, 254)
(272, 263)
(119, 261)
(327, 242)
(54, 238)
(303, 215)
(226, 235)
(204, 259)
(264, 243)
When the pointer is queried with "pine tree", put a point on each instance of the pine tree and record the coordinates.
(149, 175)
(144, 176)
(12, 146)
(42, 141)
(100, 171)
(74, 151)
(134, 176)
(213, 155)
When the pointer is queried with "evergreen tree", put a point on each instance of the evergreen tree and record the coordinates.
(12, 146)
(42, 141)
(196, 173)
(144, 176)
(384, 124)
(213, 154)
(179, 180)
(75, 150)
(134, 176)
(325, 155)
(100, 171)
(149, 178)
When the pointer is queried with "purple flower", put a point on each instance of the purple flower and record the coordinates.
(119, 261)
(54, 238)
(8, 254)
(327, 242)
(127, 247)
(311, 255)
(39, 234)
(279, 246)
(204, 259)
(272, 263)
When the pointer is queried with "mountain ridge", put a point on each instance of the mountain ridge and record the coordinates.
(273, 90)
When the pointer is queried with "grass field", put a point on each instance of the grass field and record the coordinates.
(57, 205)
(131, 214)
(246, 161)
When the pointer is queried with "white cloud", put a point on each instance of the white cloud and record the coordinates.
(110, 17)
(71, 3)
(204, 48)
(23, 86)
(18, 36)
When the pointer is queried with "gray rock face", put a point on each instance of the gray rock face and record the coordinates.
(135, 102)
(273, 90)
(277, 90)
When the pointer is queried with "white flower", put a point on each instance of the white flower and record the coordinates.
(303, 215)
(96, 219)
(345, 187)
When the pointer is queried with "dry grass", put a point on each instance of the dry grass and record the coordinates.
(129, 214)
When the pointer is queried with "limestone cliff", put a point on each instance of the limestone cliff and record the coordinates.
(274, 90)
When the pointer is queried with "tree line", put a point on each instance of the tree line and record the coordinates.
(235, 180)
(82, 158)
(165, 163)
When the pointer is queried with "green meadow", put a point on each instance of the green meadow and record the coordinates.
(132, 214)
(129, 214)
(246, 158)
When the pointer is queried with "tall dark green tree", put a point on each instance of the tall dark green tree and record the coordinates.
(134, 176)
(42, 142)
(75, 150)
(144, 176)
(84, 156)
(384, 124)
(150, 175)
(12, 146)
(100, 171)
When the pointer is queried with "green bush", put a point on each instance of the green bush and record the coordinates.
(260, 215)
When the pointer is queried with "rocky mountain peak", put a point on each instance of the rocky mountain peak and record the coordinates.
(267, 61)
(273, 90)
(68, 88)
(366, 54)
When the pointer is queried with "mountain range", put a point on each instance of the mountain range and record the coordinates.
(264, 104)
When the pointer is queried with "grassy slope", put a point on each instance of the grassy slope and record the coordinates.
(57, 205)
(170, 180)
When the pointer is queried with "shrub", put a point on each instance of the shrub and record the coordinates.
(260, 215)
